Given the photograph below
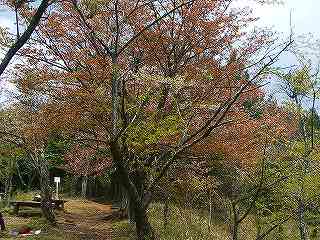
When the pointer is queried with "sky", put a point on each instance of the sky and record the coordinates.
(305, 15)
(305, 18)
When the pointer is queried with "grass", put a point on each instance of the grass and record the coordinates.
(191, 224)
(122, 230)
(24, 196)
(182, 224)
(35, 223)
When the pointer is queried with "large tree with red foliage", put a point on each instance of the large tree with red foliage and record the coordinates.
(150, 80)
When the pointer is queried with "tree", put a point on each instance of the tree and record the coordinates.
(86, 161)
(27, 130)
(9, 155)
(152, 83)
(299, 85)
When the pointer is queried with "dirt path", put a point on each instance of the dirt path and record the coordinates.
(85, 219)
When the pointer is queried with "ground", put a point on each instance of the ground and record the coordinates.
(81, 219)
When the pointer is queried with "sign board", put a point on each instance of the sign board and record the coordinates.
(57, 179)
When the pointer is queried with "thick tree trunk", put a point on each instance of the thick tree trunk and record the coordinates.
(301, 221)
(46, 192)
(130, 211)
(46, 207)
(143, 227)
(235, 231)
(46, 203)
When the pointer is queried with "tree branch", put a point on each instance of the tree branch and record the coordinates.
(25, 36)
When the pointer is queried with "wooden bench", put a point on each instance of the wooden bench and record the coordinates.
(57, 204)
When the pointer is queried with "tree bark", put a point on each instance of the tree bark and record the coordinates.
(73, 185)
(235, 227)
(46, 203)
(84, 186)
(143, 227)
(258, 225)
(25, 36)
(301, 221)
(166, 213)
(210, 209)
(2, 223)
(8, 189)
(46, 191)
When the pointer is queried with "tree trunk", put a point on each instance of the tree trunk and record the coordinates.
(210, 210)
(235, 222)
(130, 211)
(46, 203)
(235, 231)
(143, 227)
(165, 213)
(84, 187)
(258, 225)
(2, 223)
(8, 189)
(46, 192)
(31, 179)
(73, 185)
(301, 221)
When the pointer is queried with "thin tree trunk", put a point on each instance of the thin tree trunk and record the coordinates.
(31, 179)
(84, 186)
(73, 185)
(165, 213)
(235, 222)
(258, 225)
(301, 221)
(210, 209)
(8, 189)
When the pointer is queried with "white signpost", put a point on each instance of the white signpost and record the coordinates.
(57, 181)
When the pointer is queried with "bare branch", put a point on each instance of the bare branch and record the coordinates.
(25, 36)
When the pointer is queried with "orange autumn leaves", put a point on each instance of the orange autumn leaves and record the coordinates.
(193, 60)
(243, 141)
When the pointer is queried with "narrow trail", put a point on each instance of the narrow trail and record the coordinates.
(85, 219)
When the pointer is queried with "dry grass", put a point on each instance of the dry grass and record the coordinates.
(86, 208)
